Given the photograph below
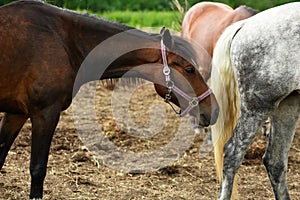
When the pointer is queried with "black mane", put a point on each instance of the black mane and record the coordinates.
(184, 49)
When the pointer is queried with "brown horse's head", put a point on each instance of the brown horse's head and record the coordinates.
(185, 82)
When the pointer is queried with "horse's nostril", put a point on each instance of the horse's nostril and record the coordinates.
(214, 116)
(206, 121)
(216, 113)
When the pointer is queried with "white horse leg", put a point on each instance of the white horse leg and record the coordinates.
(235, 149)
(282, 132)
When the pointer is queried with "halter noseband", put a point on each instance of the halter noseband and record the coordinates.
(193, 101)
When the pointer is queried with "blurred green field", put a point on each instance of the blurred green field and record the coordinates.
(145, 19)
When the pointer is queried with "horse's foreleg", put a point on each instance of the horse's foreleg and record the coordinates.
(43, 125)
(235, 150)
(280, 138)
(9, 128)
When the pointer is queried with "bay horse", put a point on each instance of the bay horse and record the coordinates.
(42, 49)
(256, 75)
(203, 24)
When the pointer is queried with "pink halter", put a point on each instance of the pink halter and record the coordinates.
(193, 101)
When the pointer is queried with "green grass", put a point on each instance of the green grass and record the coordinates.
(145, 19)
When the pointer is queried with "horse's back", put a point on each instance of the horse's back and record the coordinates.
(203, 23)
(27, 27)
(265, 52)
(32, 54)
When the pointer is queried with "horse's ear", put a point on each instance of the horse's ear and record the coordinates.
(167, 38)
(162, 30)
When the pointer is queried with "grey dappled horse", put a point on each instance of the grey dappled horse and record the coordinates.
(256, 75)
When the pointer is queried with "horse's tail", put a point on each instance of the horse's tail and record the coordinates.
(226, 92)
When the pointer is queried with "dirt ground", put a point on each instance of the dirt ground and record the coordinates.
(73, 173)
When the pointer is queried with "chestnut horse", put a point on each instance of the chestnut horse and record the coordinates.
(202, 25)
(205, 22)
(42, 49)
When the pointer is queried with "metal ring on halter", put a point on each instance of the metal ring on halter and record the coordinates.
(194, 102)
(166, 70)
(170, 84)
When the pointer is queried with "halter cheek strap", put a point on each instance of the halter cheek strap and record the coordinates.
(193, 101)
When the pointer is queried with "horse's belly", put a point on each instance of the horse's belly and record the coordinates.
(13, 106)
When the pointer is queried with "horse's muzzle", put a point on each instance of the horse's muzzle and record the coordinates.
(206, 120)
(208, 117)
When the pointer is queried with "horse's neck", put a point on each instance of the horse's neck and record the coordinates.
(108, 50)
(241, 13)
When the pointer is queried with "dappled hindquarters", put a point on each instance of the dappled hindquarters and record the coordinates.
(73, 173)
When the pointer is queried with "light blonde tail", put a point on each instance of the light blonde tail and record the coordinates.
(225, 89)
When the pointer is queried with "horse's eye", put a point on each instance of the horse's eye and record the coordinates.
(190, 70)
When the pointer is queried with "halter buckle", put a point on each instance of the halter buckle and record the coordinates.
(167, 97)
